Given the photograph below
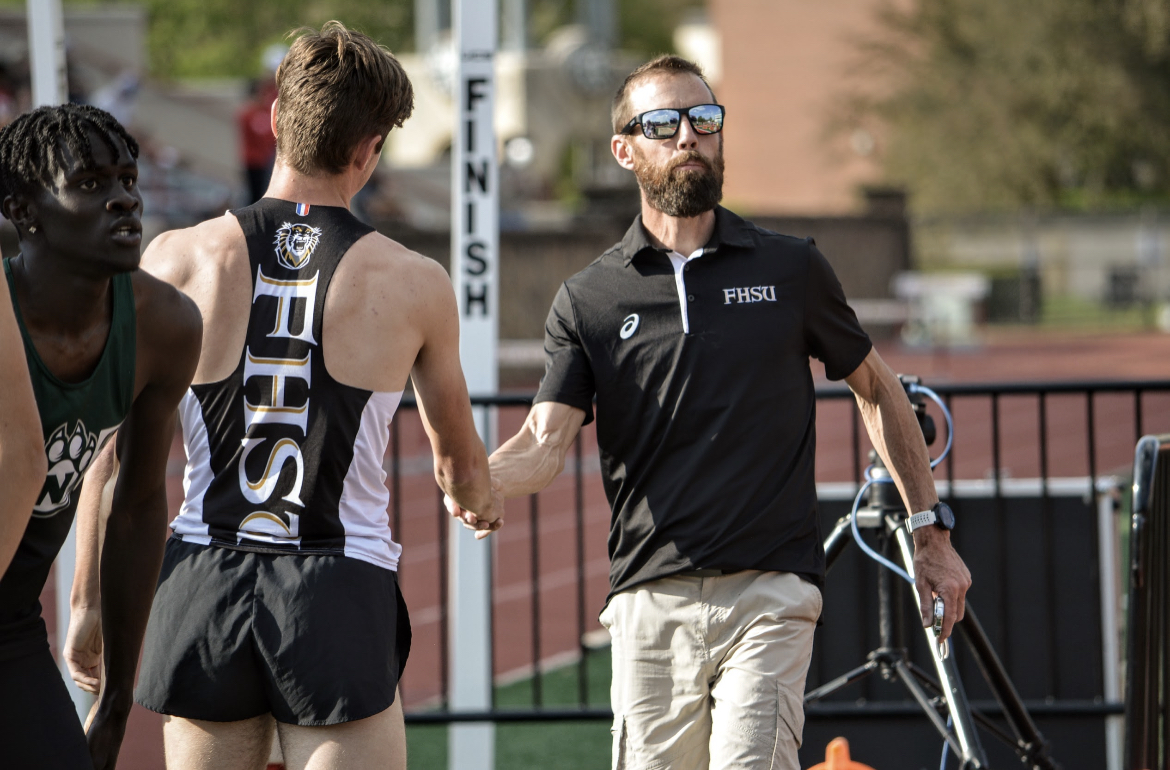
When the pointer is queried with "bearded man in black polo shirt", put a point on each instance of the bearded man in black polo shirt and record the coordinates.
(694, 335)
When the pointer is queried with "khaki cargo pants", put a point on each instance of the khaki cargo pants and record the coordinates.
(708, 672)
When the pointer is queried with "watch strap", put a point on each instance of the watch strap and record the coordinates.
(921, 519)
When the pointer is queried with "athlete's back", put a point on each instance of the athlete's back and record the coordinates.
(384, 305)
(278, 597)
(389, 314)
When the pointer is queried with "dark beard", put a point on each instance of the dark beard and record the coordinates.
(677, 193)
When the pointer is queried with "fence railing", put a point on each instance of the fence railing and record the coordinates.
(1029, 477)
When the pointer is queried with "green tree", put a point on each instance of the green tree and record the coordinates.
(645, 27)
(225, 38)
(998, 103)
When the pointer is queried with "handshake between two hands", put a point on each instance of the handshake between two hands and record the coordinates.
(484, 521)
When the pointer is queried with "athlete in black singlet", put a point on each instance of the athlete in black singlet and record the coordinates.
(278, 608)
(106, 347)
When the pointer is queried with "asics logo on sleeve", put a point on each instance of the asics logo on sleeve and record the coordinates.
(629, 326)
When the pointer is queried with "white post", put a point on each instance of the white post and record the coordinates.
(475, 272)
(46, 43)
(1107, 555)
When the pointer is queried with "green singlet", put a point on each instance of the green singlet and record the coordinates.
(77, 419)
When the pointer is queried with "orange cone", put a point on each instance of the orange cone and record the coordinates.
(837, 757)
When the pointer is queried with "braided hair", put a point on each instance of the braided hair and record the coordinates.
(30, 153)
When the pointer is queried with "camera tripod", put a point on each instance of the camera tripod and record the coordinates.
(944, 697)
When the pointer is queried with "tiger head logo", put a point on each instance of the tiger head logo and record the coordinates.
(295, 244)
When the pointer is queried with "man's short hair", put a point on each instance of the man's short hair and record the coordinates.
(337, 87)
(668, 64)
(31, 145)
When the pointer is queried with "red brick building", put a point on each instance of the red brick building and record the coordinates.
(785, 64)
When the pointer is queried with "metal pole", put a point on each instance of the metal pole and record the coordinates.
(970, 748)
(1110, 643)
(599, 17)
(426, 25)
(46, 43)
(515, 26)
(475, 273)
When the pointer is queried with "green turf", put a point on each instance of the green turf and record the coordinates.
(545, 745)
(1075, 313)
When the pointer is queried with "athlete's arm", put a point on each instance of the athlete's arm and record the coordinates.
(83, 641)
(169, 336)
(529, 461)
(894, 431)
(22, 445)
(461, 468)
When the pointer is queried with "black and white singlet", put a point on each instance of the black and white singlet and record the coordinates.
(280, 456)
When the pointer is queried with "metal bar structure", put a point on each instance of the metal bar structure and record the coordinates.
(444, 590)
(50, 86)
(1111, 582)
(1005, 639)
(1049, 555)
(534, 546)
(579, 521)
(1147, 736)
(1008, 434)
(475, 242)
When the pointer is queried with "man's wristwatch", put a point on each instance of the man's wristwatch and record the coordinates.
(940, 515)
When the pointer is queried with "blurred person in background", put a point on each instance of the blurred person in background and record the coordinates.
(7, 96)
(257, 144)
(254, 121)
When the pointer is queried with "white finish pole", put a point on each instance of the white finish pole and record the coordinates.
(46, 43)
(475, 273)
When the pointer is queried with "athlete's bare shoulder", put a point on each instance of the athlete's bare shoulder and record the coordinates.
(384, 303)
(378, 269)
(170, 330)
(182, 257)
(209, 263)
(392, 260)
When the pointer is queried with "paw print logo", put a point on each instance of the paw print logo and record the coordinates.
(69, 453)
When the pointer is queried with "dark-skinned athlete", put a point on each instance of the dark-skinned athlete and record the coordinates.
(110, 351)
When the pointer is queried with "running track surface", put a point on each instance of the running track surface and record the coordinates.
(1006, 357)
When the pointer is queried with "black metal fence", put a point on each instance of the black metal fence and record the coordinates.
(1029, 477)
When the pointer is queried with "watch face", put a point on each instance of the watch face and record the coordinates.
(944, 516)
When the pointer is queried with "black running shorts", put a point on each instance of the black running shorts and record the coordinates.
(39, 727)
(313, 640)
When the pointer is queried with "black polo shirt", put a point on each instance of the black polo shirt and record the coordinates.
(705, 404)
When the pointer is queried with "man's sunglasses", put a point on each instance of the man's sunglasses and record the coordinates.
(664, 123)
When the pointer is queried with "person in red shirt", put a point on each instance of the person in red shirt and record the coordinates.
(257, 144)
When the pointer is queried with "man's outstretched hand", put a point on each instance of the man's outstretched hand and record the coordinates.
(484, 522)
(939, 571)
